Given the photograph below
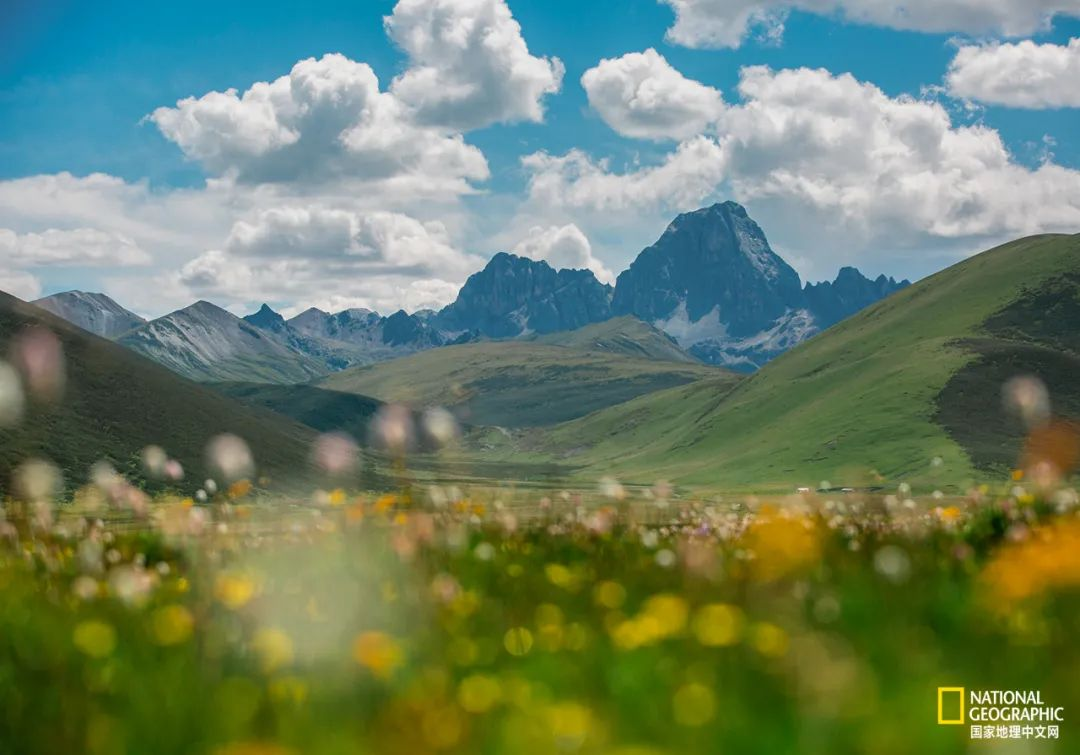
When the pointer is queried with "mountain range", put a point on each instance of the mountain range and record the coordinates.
(711, 282)
(918, 387)
(114, 403)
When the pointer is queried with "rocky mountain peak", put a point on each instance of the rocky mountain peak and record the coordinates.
(513, 295)
(713, 260)
(267, 319)
(93, 312)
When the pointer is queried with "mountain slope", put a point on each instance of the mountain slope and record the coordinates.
(117, 402)
(864, 398)
(625, 335)
(96, 313)
(517, 383)
(713, 283)
(317, 408)
(205, 342)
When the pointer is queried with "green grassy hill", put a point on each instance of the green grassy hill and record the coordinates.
(318, 408)
(117, 402)
(625, 335)
(518, 383)
(915, 377)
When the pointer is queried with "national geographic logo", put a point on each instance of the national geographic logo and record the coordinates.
(999, 714)
(950, 706)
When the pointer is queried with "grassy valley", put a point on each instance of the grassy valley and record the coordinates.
(518, 384)
(860, 402)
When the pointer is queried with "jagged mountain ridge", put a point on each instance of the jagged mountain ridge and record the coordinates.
(206, 342)
(711, 282)
(515, 296)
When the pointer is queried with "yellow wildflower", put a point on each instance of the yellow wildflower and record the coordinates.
(378, 652)
(95, 638)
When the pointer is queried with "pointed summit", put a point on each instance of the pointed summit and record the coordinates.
(715, 259)
(266, 319)
(713, 283)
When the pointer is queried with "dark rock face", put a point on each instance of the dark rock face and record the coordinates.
(403, 329)
(514, 295)
(714, 284)
(266, 319)
(713, 258)
(850, 292)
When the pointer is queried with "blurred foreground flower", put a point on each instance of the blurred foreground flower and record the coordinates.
(37, 481)
(335, 454)
(1027, 397)
(781, 545)
(440, 427)
(378, 652)
(229, 456)
(95, 638)
(11, 396)
(392, 429)
(171, 625)
(1048, 560)
(234, 590)
(38, 354)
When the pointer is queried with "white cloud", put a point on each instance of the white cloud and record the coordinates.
(863, 170)
(563, 247)
(19, 283)
(381, 260)
(326, 120)
(56, 248)
(174, 226)
(687, 175)
(469, 64)
(1023, 75)
(641, 95)
(727, 23)
(80, 247)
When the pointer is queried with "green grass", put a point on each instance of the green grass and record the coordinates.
(851, 405)
(625, 335)
(117, 402)
(518, 383)
(381, 626)
(318, 408)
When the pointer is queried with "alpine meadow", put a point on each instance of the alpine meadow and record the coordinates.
(461, 377)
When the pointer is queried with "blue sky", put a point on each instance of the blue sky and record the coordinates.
(77, 82)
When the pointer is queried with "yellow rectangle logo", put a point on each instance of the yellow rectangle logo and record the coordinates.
(942, 692)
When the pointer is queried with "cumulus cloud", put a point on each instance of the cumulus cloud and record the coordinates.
(56, 248)
(469, 65)
(173, 226)
(382, 260)
(727, 23)
(842, 156)
(79, 247)
(562, 247)
(19, 283)
(641, 95)
(1022, 75)
(687, 175)
(325, 120)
